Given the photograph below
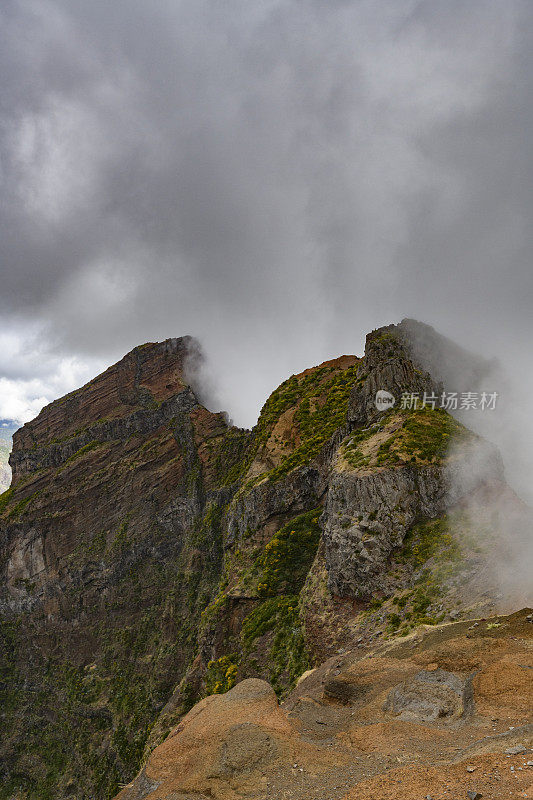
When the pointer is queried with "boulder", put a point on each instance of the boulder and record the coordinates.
(429, 696)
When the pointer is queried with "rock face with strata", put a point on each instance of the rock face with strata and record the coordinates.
(108, 555)
(151, 554)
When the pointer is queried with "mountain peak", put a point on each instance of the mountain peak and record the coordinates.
(152, 554)
(145, 378)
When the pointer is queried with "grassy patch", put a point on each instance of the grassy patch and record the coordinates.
(5, 499)
(429, 539)
(425, 436)
(284, 563)
(17, 510)
(82, 451)
(315, 423)
(351, 449)
(320, 400)
(287, 656)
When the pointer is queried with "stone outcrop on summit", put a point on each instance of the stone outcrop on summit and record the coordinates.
(153, 555)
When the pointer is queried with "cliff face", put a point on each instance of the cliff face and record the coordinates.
(150, 553)
(107, 559)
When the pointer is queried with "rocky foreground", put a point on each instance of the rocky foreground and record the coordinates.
(445, 713)
(152, 555)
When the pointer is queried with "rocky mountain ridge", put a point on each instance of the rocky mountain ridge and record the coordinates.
(153, 554)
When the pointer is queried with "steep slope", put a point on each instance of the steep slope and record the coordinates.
(108, 555)
(442, 713)
(152, 554)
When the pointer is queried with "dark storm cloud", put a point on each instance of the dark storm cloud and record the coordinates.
(275, 177)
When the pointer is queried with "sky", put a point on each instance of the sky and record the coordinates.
(275, 177)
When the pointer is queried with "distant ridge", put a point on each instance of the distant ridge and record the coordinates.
(7, 429)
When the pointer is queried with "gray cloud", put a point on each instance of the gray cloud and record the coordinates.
(274, 177)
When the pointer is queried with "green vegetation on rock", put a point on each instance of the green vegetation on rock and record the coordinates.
(104, 711)
(286, 654)
(83, 450)
(5, 499)
(427, 540)
(221, 675)
(283, 565)
(425, 435)
(320, 399)
(271, 640)
(430, 555)
(351, 449)
(228, 455)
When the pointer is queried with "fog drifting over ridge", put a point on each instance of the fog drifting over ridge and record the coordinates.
(276, 178)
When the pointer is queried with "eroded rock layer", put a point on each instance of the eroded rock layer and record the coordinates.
(152, 554)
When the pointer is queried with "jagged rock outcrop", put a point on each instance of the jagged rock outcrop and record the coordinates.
(151, 553)
(369, 509)
(120, 454)
(389, 365)
(367, 516)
